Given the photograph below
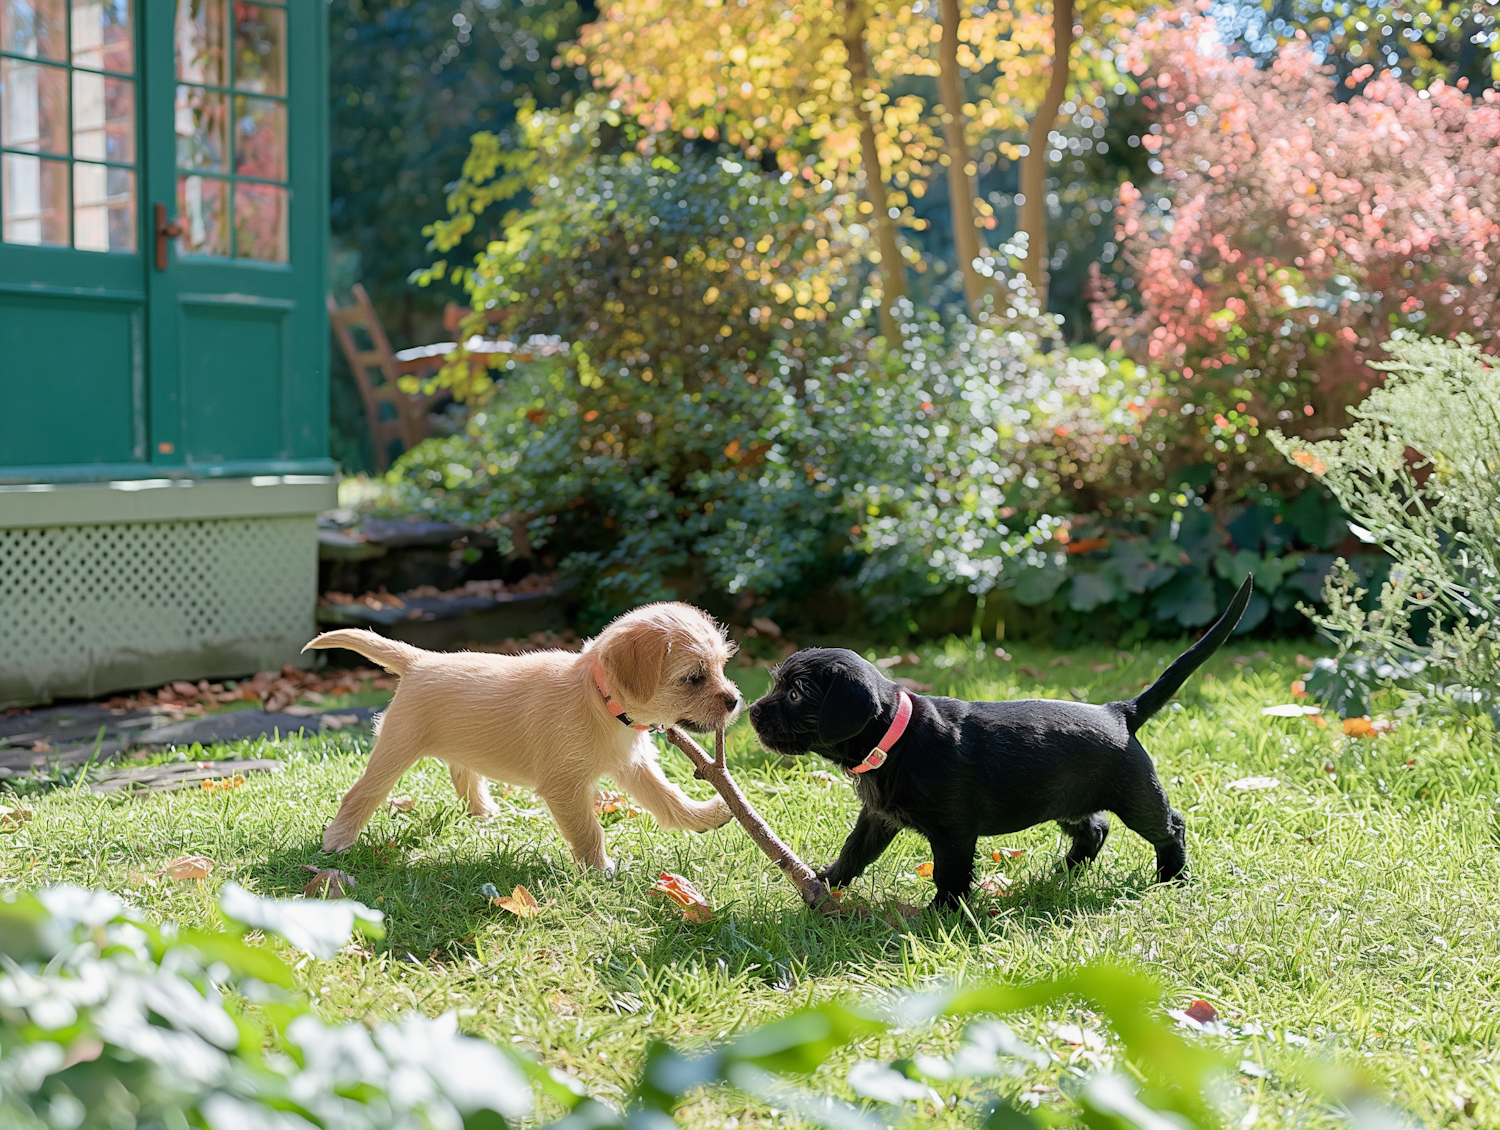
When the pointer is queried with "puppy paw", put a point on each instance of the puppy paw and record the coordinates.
(484, 811)
(336, 839)
(825, 875)
(713, 814)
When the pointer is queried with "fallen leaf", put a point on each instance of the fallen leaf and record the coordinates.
(1290, 710)
(890, 661)
(766, 627)
(1061, 661)
(1250, 784)
(823, 775)
(1299, 689)
(1101, 666)
(924, 870)
(297, 710)
(519, 902)
(1003, 655)
(695, 908)
(1365, 728)
(188, 867)
(607, 802)
(996, 885)
(328, 884)
(1202, 1012)
(339, 721)
(1032, 671)
(13, 817)
(1303, 662)
(403, 803)
(1008, 853)
(913, 685)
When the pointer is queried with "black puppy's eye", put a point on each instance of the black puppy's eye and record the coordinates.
(794, 694)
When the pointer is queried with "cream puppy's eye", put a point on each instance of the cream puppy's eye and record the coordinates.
(695, 678)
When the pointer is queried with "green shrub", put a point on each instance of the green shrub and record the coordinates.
(1417, 474)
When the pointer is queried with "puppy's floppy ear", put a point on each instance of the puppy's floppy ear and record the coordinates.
(632, 655)
(848, 707)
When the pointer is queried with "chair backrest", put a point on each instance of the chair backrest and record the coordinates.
(398, 421)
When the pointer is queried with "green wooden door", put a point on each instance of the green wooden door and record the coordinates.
(163, 249)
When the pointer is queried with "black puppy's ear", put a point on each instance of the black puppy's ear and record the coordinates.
(849, 706)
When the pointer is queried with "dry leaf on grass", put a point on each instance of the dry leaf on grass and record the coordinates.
(1303, 662)
(13, 817)
(225, 783)
(996, 885)
(187, 867)
(695, 908)
(1008, 853)
(339, 721)
(1202, 1012)
(1061, 661)
(1299, 689)
(328, 884)
(924, 870)
(1101, 666)
(402, 803)
(1365, 728)
(297, 710)
(1034, 672)
(519, 902)
(607, 802)
(913, 685)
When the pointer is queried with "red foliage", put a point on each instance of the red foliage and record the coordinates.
(1291, 234)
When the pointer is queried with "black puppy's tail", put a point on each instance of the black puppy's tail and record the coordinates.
(1139, 709)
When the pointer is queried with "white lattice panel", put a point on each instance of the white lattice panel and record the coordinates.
(89, 609)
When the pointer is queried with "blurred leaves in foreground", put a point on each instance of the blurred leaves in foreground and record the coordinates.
(109, 1021)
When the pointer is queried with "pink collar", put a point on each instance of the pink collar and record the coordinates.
(609, 702)
(876, 757)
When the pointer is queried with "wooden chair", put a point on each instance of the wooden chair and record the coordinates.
(398, 420)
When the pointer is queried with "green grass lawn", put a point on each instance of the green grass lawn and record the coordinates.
(1353, 912)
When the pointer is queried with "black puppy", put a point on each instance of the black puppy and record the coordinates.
(960, 770)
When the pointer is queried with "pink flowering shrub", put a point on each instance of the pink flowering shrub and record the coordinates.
(1290, 235)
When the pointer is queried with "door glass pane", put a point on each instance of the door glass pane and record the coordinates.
(103, 208)
(260, 222)
(259, 48)
(260, 138)
(201, 42)
(103, 118)
(34, 193)
(35, 28)
(203, 211)
(33, 107)
(103, 36)
(202, 126)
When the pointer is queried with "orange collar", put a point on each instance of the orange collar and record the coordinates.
(609, 702)
(876, 757)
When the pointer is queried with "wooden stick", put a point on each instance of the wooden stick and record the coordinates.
(713, 770)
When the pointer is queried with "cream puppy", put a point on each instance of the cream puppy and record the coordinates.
(551, 721)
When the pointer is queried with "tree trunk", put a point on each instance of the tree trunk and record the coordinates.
(892, 267)
(967, 243)
(1033, 219)
(716, 773)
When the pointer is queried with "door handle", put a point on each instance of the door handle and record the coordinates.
(164, 232)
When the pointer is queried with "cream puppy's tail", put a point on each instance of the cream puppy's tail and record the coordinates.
(394, 656)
